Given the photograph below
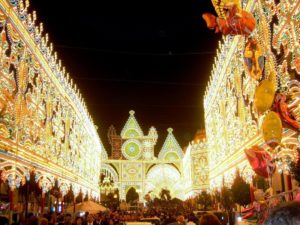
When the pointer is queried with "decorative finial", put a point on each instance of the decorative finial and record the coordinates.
(34, 16)
(43, 42)
(41, 27)
(131, 112)
(21, 6)
(170, 130)
(29, 19)
(59, 64)
(47, 38)
(51, 48)
(55, 57)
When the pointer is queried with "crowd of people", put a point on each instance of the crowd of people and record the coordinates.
(286, 214)
(156, 217)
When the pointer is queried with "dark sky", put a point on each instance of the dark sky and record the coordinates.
(152, 56)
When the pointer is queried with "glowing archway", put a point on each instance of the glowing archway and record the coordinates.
(108, 170)
(164, 176)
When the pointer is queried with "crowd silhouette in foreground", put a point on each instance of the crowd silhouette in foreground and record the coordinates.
(285, 214)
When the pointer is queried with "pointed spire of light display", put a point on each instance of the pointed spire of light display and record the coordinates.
(132, 128)
(171, 150)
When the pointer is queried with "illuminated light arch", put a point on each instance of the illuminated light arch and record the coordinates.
(131, 133)
(76, 189)
(45, 181)
(94, 195)
(285, 153)
(163, 176)
(64, 186)
(108, 170)
(104, 155)
(14, 178)
(167, 163)
(84, 191)
(170, 156)
(130, 187)
(24, 171)
(16, 174)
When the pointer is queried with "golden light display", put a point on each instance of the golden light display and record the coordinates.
(132, 163)
(195, 167)
(44, 124)
(45, 127)
(235, 107)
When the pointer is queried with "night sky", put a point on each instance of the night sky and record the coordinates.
(154, 57)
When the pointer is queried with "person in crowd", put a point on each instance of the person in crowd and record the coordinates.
(209, 219)
(33, 221)
(27, 219)
(14, 219)
(96, 219)
(287, 213)
(60, 219)
(22, 219)
(110, 221)
(116, 218)
(179, 220)
(192, 218)
(90, 220)
(53, 219)
(84, 218)
(78, 220)
(102, 220)
(43, 221)
(169, 219)
(190, 223)
(68, 219)
(4, 220)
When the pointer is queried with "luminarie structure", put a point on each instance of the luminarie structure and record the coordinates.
(45, 127)
(132, 163)
(234, 115)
